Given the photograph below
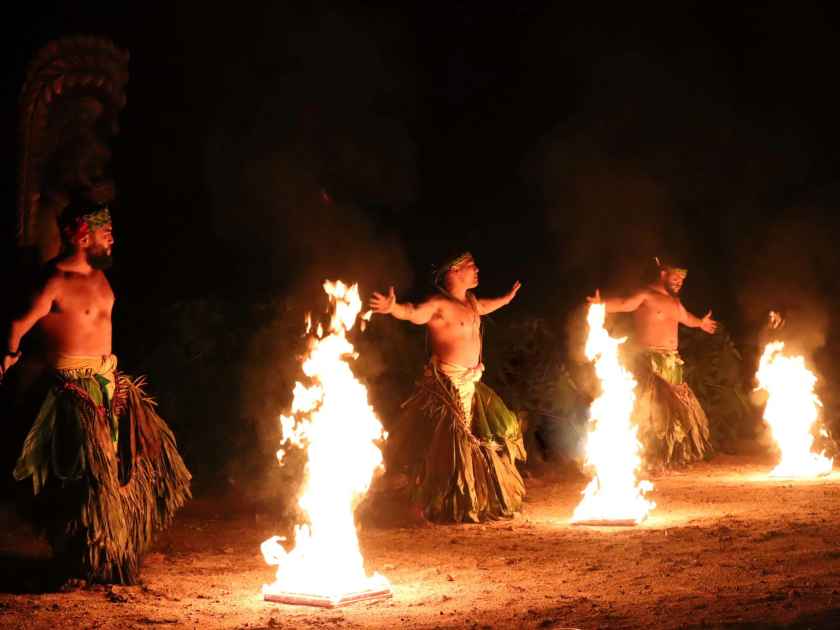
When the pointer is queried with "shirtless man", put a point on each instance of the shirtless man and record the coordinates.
(119, 468)
(452, 316)
(673, 426)
(73, 309)
(446, 448)
(658, 311)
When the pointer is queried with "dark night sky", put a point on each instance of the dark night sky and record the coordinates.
(564, 146)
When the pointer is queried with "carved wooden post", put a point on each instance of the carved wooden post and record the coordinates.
(74, 91)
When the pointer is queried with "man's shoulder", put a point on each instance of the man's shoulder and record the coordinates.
(652, 293)
(642, 295)
(57, 275)
(440, 305)
(52, 274)
(436, 299)
(445, 302)
(47, 282)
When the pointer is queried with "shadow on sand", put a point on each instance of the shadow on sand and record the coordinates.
(24, 573)
(822, 620)
(25, 558)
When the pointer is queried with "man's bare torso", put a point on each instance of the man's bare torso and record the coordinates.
(455, 332)
(657, 320)
(79, 322)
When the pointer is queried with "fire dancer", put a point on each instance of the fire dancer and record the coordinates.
(105, 469)
(458, 442)
(673, 427)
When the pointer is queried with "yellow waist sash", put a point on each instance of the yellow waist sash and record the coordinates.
(79, 366)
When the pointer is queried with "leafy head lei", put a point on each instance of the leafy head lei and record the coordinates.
(664, 266)
(81, 218)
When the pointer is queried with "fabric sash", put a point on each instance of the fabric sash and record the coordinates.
(79, 366)
(464, 380)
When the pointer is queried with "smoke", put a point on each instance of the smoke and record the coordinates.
(308, 167)
(308, 239)
(788, 265)
(287, 228)
(272, 360)
(660, 160)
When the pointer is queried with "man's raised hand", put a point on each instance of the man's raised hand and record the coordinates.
(707, 324)
(595, 299)
(514, 290)
(383, 304)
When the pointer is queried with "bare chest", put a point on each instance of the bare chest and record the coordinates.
(85, 296)
(661, 308)
(460, 318)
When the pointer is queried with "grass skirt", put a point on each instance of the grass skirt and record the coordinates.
(106, 475)
(462, 470)
(673, 427)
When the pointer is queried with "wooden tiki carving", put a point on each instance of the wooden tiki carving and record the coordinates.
(74, 91)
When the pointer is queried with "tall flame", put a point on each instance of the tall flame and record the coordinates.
(333, 419)
(791, 411)
(612, 446)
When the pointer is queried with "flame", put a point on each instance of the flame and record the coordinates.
(791, 411)
(612, 447)
(333, 419)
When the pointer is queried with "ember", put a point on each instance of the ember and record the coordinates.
(334, 421)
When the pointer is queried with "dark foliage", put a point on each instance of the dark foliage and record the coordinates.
(714, 371)
(526, 365)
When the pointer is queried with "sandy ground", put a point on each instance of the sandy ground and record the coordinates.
(725, 547)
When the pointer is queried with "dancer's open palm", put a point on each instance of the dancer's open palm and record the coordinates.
(383, 304)
(707, 324)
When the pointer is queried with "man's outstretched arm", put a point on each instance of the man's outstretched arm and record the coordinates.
(488, 305)
(706, 324)
(39, 306)
(416, 314)
(618, 304)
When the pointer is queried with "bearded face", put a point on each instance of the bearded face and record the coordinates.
(98, 252)
(673, 282)
(100, 258)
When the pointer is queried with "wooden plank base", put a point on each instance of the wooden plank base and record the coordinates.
(322, 601)
(605, 523)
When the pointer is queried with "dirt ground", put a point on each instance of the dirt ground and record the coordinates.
(725, 547)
